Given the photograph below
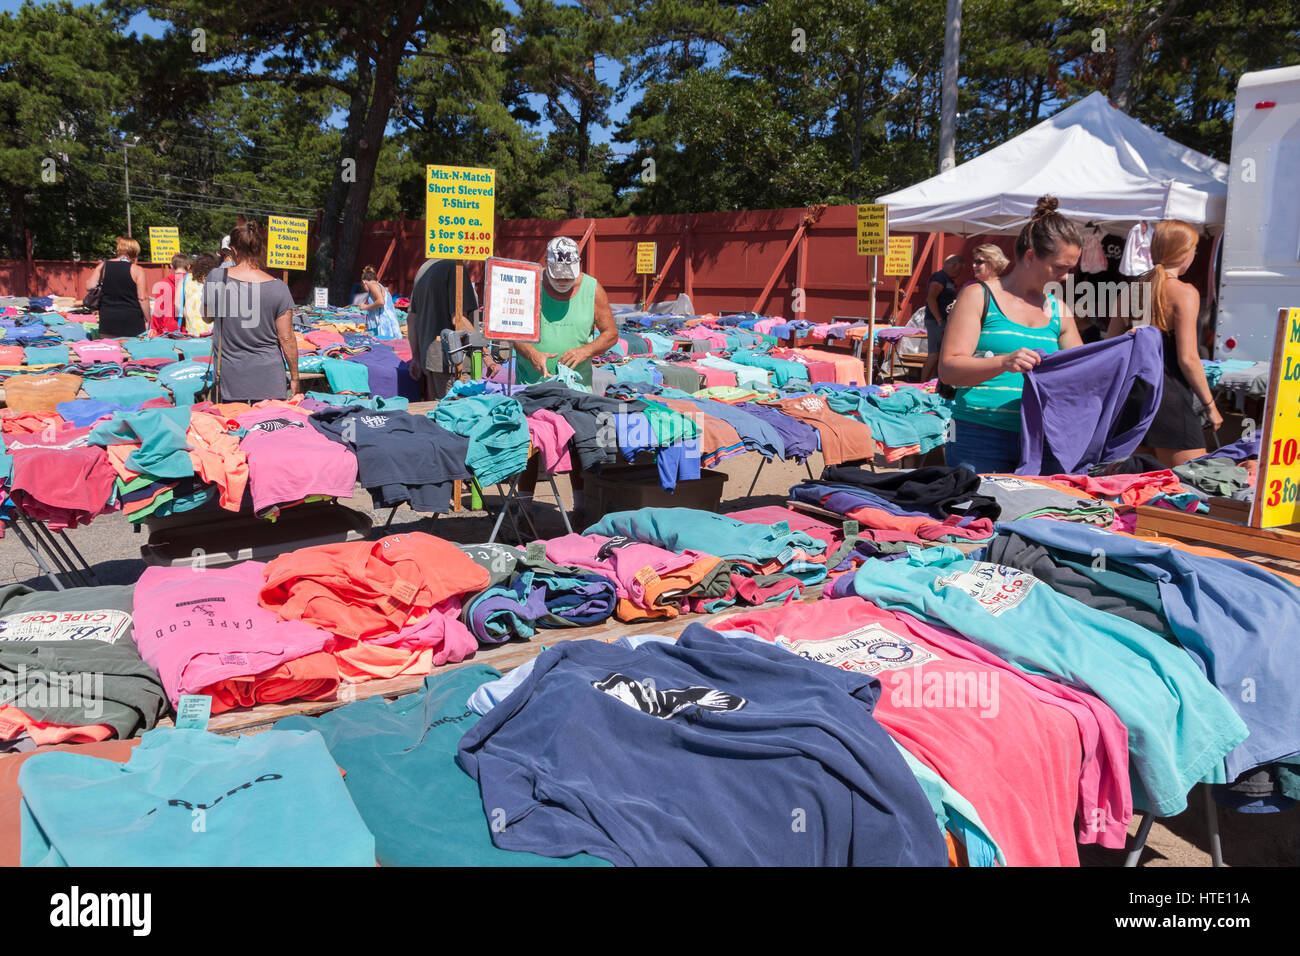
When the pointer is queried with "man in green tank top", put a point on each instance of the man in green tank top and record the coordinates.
(573, 306)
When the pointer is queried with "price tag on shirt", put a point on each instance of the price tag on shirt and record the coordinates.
(193, 711)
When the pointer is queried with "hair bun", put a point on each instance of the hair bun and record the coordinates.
(1046, 206)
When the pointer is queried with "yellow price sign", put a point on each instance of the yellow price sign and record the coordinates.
(286, 243)
(873, 229)
(459, 212)
(164, 242)
(645, 258)
(898, 260)
(1277, 490)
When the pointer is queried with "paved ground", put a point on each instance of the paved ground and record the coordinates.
(1247, 839)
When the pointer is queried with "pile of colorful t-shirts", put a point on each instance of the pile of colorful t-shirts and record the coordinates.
(392, 606)
(526, 591)
(923, 506)
(70, 670)
(771, 557)
(1239, 623)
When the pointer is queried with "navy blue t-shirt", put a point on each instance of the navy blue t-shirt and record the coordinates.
(711, 751)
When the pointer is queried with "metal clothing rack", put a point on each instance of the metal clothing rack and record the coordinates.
(42, 543)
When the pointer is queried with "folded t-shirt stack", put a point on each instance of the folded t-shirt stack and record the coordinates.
(393, 605)
(526, 591)
(207, 634)
(70, 669)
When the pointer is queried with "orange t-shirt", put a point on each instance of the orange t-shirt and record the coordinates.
(40, 393)
(843, 438)
(365, 590)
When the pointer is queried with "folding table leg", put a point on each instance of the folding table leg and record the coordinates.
(759, 471)
(1140, 840)
(85, 565)
(559, 503)
(1212, 824)
(44, 539)
(36, 556)
(502, 513)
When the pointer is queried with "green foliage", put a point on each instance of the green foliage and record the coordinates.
(728, 105)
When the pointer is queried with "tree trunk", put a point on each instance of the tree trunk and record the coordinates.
(1121, 86)
(17, 222)
(334, 199)
(358, 197)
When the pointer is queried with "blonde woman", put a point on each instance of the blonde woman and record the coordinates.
(1177, 434)
(988, 262)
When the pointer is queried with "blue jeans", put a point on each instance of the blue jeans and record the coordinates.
(982, 449)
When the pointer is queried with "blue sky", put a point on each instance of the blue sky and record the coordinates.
(606, 71)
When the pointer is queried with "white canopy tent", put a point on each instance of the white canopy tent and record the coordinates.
(1102, 164)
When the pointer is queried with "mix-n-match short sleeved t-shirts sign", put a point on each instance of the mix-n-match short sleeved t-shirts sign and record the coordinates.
(286, 245)
(459, 212)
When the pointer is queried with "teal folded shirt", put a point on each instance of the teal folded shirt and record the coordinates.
(400, 760)
(163, 451)
(191, 798)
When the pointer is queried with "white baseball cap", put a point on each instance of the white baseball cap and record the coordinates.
(563, 261)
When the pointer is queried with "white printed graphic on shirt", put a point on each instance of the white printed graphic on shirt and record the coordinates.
(1013, 484)
(997, 588)
(867, 650)
(106, 626)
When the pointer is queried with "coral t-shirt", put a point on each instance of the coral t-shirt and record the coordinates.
(1014, 758)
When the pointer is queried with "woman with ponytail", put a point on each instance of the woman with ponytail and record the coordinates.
(252, 313)
(1177, 434)
(996, 330)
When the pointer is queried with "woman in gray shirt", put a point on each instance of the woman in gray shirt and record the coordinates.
(253, 312)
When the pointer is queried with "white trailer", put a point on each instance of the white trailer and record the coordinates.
(1260, 255)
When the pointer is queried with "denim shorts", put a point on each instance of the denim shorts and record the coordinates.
(933, 334)
(984, 450)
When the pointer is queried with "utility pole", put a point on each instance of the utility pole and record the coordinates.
(948, 98)
(126, 172)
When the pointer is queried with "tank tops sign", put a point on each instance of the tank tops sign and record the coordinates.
(997, 588)
(866, 650)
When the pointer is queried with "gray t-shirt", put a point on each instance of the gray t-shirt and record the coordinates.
(252, 365)
(433, 298)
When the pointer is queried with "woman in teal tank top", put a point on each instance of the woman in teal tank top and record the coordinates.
(986, 358)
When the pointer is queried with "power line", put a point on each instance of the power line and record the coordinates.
(209, 183)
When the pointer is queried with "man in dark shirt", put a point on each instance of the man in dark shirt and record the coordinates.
(941, 292)
(433, 299)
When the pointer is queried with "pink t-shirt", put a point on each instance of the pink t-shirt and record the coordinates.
(550, 435)
(622, 565)
(289, 460)
(99, 350)
(196, 628)
(1013, 756)
(324, 338)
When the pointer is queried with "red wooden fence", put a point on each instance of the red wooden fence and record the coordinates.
(726, 260)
